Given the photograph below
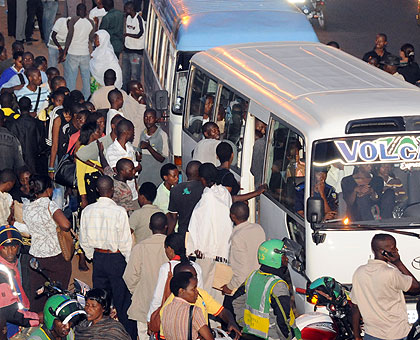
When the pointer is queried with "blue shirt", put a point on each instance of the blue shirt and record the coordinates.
(14, 81)
(7, 75)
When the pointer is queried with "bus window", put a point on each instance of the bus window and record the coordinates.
(156, 45)
(285, 167)
(166, 67)
(180, 82)
(231, 116)
(201, 106)
(151, 33)
(161, 49)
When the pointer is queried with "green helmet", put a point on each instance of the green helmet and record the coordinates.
(270, 253)
(62, 307)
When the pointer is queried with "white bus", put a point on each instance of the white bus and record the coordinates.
(326, 113)
(177, 29)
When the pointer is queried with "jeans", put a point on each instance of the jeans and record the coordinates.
(131, 67)
(48, 18)
(34, 8)
(20, 19)
(71, 66)
(52, 57)
(370, 337)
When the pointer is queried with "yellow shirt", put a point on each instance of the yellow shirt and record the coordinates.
(205, 301)
(81, 170)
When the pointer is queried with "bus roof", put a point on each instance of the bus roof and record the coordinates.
(197, 25)
(314, 87)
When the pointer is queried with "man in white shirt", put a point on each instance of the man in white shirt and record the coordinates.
(115, 98)
(377, 293)
(97, 13)
(122, 148)
(76, 51)
(105, 236)
(205, 150)
(133, 44)
(57, 41)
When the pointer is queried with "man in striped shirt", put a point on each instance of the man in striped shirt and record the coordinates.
(34, 91)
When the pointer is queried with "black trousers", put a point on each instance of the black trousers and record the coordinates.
(108, 270)
(11, 18)
(34, 8)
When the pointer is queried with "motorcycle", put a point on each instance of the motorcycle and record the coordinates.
(313, 9)
(323, 292)
(51, 288)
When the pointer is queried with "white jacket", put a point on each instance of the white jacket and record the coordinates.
(210, 226)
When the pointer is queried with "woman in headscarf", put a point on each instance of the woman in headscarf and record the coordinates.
(99, 325)
(103, 58)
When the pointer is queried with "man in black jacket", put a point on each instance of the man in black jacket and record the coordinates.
(31, 135)
(10, 148)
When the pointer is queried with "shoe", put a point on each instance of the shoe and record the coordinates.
(20, 41)
(31, 39)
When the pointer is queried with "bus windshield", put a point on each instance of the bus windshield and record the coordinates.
(368, 178)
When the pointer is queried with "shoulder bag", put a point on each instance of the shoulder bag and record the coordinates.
(154, 324)
(190, 319)
(65, 173)
(65, 239)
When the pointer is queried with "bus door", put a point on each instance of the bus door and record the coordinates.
(281, 206)
(199, 110)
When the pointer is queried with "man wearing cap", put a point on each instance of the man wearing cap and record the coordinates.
(390, 64)
(14, 304)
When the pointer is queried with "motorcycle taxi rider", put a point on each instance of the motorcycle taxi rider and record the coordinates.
(262, 304)
(61, 314)
(14, 304)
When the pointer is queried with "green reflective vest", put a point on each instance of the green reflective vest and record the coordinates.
(259, 287)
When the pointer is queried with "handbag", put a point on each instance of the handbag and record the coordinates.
(65, 239)
(65, 173)
(154, 324)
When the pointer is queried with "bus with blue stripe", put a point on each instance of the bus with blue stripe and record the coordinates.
(177, 29)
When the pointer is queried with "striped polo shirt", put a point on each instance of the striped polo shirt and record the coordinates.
(33, 96)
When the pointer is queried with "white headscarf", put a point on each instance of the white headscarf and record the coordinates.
(104, 58)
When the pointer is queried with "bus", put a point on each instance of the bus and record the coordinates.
(336, 125)
(177, 29)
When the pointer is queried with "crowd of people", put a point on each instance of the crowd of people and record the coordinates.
(95, 164)
(402, 66)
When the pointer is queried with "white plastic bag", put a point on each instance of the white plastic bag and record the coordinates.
(220, 334)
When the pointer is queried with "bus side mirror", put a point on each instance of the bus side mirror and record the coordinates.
(161, 100)
(315, 215)
(314, 210)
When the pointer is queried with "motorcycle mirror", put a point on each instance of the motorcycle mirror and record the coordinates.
(297, 266)
(34, 264)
